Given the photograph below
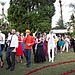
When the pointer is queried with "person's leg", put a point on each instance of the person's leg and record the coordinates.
(1, 61)
(8, 58)
(17, 59)
(52, 54)
(13, 61)
(22, 49)
(55, 49)
(6, 45)
(20, 59)
(34, 49)
(25, 54)
(60, 49)
(74, 48)
(28, 58)
(21, 56)
(64, 47)
(2, 47)
(67, 47)
(1, 57)
(49, 55)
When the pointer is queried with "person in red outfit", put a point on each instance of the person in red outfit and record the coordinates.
(45, 44)
(29, 42)
(19, 51)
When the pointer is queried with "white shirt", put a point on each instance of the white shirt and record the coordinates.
(3, 38)
(67, 41)
(51, 40)
(51, 43)
(14, 40)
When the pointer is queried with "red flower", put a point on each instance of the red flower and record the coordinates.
(68, 72)
(48, 66)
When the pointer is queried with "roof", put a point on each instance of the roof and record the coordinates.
(60, 31)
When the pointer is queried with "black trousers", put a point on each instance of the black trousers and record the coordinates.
(2, 47)
(9, 53)
(34, 49)
(74, 48)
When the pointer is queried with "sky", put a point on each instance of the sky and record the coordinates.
(5, 7)
(66, 11)
(65, 7)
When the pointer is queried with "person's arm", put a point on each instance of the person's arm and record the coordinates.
(32, 42)
(16, 42)
(24, 40)
(8, 39)
(20, 39)
(3, 37)
(47, 39)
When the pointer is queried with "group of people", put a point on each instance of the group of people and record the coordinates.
(16, 46)
(43, 45)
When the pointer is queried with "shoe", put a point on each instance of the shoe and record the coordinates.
(28, 66)
(50, 60)
(66, 51)
(12, 69)
(8, 68)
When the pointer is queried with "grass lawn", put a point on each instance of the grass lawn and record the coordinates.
(21, 69)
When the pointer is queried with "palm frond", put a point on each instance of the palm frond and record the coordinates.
(72, 5)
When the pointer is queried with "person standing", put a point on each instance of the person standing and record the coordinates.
(60, 44)
(34, 51)
(22, 43)
(66, 43)
(6, 43)
(2, 43)
(19, 51)
(40, 55)
(73, 43)
(45, 44)
(13, 44)
(3, 40)
(51, 45)
(1, 55)
(55, 40)
(29, 42)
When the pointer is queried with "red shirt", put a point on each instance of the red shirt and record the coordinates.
(28, 40)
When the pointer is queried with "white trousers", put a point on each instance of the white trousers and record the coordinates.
(50, 46)
(66, 46)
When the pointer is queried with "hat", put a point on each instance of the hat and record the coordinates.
(27, 31)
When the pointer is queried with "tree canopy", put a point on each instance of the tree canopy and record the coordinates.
(31, 14)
